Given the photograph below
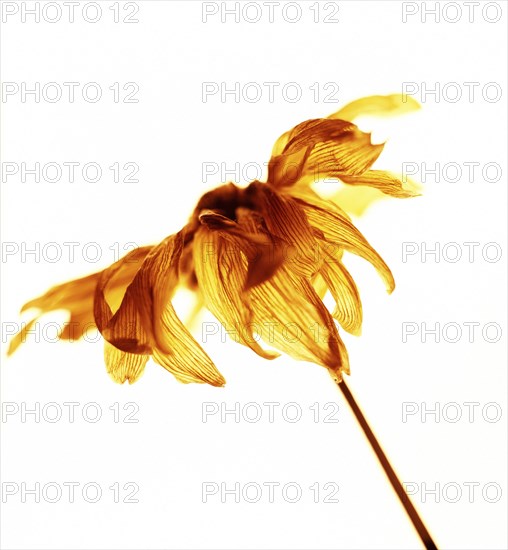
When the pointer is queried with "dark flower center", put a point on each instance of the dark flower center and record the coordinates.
(227, 198)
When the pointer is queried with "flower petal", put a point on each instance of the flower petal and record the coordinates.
(336, 228)
(290, 316)
(377, 105)
(221, 268)
(264, 254)
(322, 148)
(381, 180)
(122, 366)
(146, 322)
(77, 297)
(286, 221)
(20, 336)
(348, 310)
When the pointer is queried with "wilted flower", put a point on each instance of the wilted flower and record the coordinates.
(259, 256)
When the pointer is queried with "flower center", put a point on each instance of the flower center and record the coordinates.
(226, 199)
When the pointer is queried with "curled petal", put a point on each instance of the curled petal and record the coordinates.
(122, 366)
(77, 297)
(377, 105)
(287, 222)
(146, 322)
(336, 228)
(290, 316)
(353, 154)
(264, 254)
(381, 180)
(321, 148)
(221, 269)
(20, 336)
(286, 169)
(348, 310)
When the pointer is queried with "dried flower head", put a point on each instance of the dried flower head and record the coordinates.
(259, 256)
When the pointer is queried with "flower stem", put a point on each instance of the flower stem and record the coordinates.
(387, 467)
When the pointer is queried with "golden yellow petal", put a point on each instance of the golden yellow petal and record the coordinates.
(348, 310)
(20, 337)
(264, 254)
(290, 316)
(377, 105)
(286, 169)
(221, 268)
(287, 222)
(356, 200)
(77, 297)
(146, 322)
(122, 366)
(319, 149)
(189, 363)
(383, 181)
(337, 230)
(352, 154)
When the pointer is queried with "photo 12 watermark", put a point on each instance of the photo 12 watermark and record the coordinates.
(451, 12)
(451, 332)
(452, 172)
(69, 12)
(269, 92)
(69, 172)
(70, 412)
(451, 412)
(270, 492)
(452, 492)
(69, 492)
(66, 252)
(271, 12)
(269, 412)
(70, 92)
(452, 92)
(451, 252)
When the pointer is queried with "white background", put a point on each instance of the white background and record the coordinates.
(169, 134)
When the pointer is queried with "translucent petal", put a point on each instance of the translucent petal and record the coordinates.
(221, 269)
(377, 105)
(146, 322)
(77, 297)
(383, 181)
(291, 317)
(122, 366)
(336, 228)
(348, 310)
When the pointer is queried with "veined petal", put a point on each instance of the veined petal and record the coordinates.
(336, 228)
(189, 363)
(322, 148)
(383, 181)
(287, 222)
(221, 268)
(77, 297)
(146, 322)
(123, 329)
(320, 285)
(348, 310)
(286, 169)
(353, 153)
(291, 317)
(264, 254)
(122, 366)
(377, 105)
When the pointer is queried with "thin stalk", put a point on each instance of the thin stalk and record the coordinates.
(387, 467)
